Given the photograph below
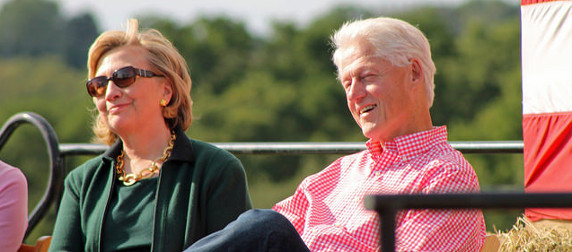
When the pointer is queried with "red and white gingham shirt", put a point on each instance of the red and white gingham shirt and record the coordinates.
(327, 208)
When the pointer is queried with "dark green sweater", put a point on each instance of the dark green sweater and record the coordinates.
(200, 189)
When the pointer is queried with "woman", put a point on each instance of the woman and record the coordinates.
(155, 189)
(13, 207)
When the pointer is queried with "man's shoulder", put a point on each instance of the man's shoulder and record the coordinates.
(449, 154)
(444, 152)
(343, 164)
(448, 160)
(441, 160)
(355, 156)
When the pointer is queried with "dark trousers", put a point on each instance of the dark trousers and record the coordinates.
(254, 230)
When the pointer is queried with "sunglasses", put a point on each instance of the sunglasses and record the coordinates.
(122, 78)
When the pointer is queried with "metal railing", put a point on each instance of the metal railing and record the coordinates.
(303, 148)
(56, 177)
(58, 152)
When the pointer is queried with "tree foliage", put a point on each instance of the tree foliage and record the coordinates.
(37, 28)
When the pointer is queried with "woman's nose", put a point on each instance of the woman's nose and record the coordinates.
(113, 91)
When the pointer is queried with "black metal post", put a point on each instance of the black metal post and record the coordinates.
(387, 216)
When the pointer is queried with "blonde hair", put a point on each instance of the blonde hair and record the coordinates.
(165, 60)
(394, 40)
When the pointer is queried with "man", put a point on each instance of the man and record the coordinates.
(386, 69)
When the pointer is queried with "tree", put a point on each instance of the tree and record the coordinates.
(36, 28)
(30, 27)
(218, 50)
(81, 31)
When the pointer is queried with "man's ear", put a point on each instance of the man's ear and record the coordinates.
(416, 71)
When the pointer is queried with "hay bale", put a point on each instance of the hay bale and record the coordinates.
(524, 236)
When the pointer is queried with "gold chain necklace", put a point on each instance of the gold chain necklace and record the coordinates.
(131, 178)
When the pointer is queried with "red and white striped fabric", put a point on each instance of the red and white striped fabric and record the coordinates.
(547, 100)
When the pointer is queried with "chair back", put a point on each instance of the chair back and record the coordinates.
(492, 244)
(42, 245)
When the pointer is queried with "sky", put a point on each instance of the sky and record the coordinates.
(256, 14)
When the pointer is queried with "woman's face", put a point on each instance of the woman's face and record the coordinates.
(137, 106)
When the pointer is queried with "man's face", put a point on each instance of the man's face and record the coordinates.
(379, 95)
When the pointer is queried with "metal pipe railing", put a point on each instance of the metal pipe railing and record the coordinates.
(299, 148)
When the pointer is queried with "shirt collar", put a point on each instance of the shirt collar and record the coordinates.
(408, 146)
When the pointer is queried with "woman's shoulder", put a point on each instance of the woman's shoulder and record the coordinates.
(215, 158)
(205, 149)
(11, 175)
(6, 168)
(87, 169)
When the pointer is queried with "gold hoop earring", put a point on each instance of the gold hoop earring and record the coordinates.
(163, 103)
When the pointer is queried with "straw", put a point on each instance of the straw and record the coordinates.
(524, 236)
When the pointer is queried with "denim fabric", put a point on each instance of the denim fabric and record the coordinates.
(254, 230)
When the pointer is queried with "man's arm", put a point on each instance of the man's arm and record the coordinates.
(294, 208)
(443, 230)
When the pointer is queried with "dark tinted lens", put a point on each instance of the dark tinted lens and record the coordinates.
(124, 77)
(97, 86)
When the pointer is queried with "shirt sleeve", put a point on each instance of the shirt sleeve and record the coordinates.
(294, 208)
(226, 187)
(67, 234)
(13, 207)
(443, 230)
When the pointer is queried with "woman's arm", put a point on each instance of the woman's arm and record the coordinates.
(13, 207)
(228, 195)
(67, 235)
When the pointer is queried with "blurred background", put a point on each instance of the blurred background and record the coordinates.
(261, 72)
